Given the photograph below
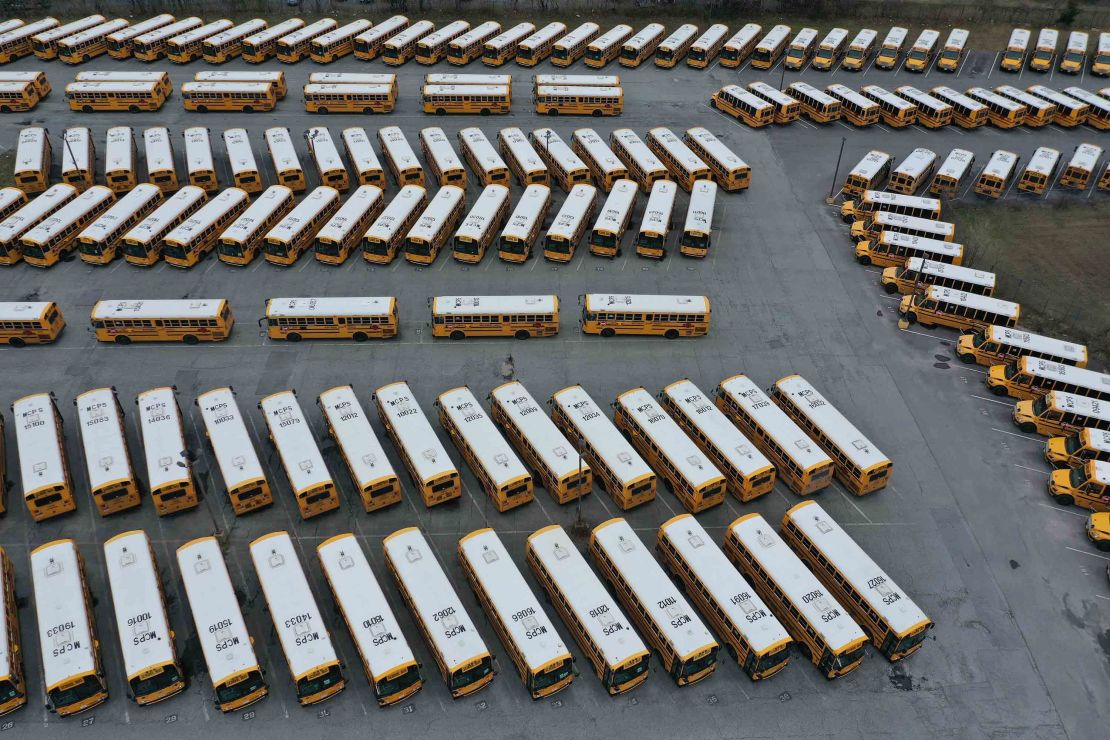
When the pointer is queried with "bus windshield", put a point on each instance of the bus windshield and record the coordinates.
(313, 686)
(167, 676)
(604, 240)
(846, 659)
(651, 241)
(7, 691)
(696, 240)
(552, 677)
(252, 682)
(392, 686)
(918, 55)
(422, 249)
(329, 249)
(909, 641)
(1012, 55)
(465, 678)
(75, 694)
(768, 661)
(1073, 444)
(694, 667)
(628, 673)
(1078, 477)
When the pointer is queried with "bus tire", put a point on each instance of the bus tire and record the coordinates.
(863, 259)
(713, 103)
(202, 108)
(293, 336)
(368, 111)
(967, 358)
(132, 109)
(360, 336)
(322, 109)
(1063, 499)
(522, 334)
(189, 339)
(671, 334)
(440, 111)
(998, 390)
(248, 109)
(911, 317)
(484, 112)
(16, 342)
(553, 112)
(891, 288)
(122, 339)
(1028, 427)
(596, 114)
(1103, 545)
(5, 109)
(86, 109)
(458, 334)
(607, 332)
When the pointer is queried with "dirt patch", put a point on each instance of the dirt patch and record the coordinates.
(1052, 258)
(7, 168)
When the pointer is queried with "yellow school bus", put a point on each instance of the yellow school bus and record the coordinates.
(429, 467)
(12, 681)
(244, 481)
(670, 316)
(168, 465)
(294, 319)
(30, 323)
(112, 481)
(519, 316)
(188, 320)
(310, 482)
(371, 472)
(47, 486)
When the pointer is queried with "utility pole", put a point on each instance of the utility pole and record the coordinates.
(836, 173)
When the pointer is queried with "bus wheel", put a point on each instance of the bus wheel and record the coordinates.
(863, 259)
(87, 109)
(553, 112)
(440, 111)
(998, 390)
(368, 111)
(202, 108)
(323, 109)
(522, 334)
(132, 109)
(189, 339)
(293, 336)
(248, 109)
(607, 332)
(1103, 545)
(911, 317)
(596, 114)
(457, 334)
(16, 342)
(123, 339)
(5, 109)
(1028, 427)
(360, 336)
(1063, 499)
(713, 103)
(671, 334)
(891, 288)
(967, 358)
(484, 112)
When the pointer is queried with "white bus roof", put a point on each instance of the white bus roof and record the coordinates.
(1085, 157)
(717, 151)
(141, 622)
(679, 36)
(907, 201)
(227, 432)
(488, 446)
(385, 28)
(862, 573)
(159, 150)
(1097, 438)
(871, 164)
(1047, 38)
(366, 459)
(374, 628)
(699, 212)
(956, 272)
(357, 205)
(584, 91)
(435, 214)
(1001, 164)
(236, 33)
(21, 311)
(984, 95)
(657, 212)
(574, 210)
(521, 150)
(527, 211)
(20, 31)
(296, 220)
(198, 149)
(190, 308)
(955, 165)
(626, 140)
(711, 36)
(164, 446)
(79, 150)
(627, 302)
(774, 421)
(926, 39)
(545, 139)
(874, 91)
(464, 90)
(615, 35)
(644, 36)
(923, 99)
(548, 32)
(845, 94)
(240, 154)
(729, 590)
(119, 149)
(352, 78)
(578, 35)
(203, 32)
(161, 219)
(481, 216)
(954, 97)
(221, 630)
(300, 628)
(1026, 98)
(68, 29)
(519, 611)
(1104, 43)
(1082, 378)
(776, 96)
(510, 35)
(258, 88)
(347, 31)
(804, 38)
(309, 307)
(659, 598)
(1019, 39)
(700, 411)
(666, 436)
(225, 75)
(599, 151)
(899, 221)
(474, 142)
(413, 432)
(864, 38)
(68, 215)
(359, 150)
(250, 220)
(1092, 408)
(921, 244)
(274, 32)
(323, 150)
(917, 161)
(65, 632)
(822, 611)
(601, 434)
(895, 37)
(445, 34)
(481, 305)
(7, 652)
(1043, 161)
(957, 38)
(409, 35)
(120, 211)
(615, 210)
(10, 195)
(307, 32)
(860, 451)
(678, 150)
(599, 613)
(1038, 343)
(546, 440)
(774, 37)
(283, 153)
(41, 458)
(397, 147)
(297, 448)
(438, 148)
(116, 76)
(1064, 101)
(112, 88)
(468, 79)
(207, 215)
(973, 300)
(393, 217)
(433, 598)
(747, 97)
(168, 31)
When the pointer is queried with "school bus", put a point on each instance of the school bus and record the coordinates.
(671, 316)
(613, 220)
(340, 235)
(615, 463)
(952, 53)
(189, 320)
(617, 654)
(524, 224)
(11, 200)
(566, 167)
(142, 245)
(447, 168)
(877, 200)
(895, 111)
(47, 242)
(469, 46)
(570, 223)
(480, 227)
(295, 232)
(429, 467)
(460, 654)
(856, 108)
(693, 478)
(283, 156)
(387, 660)
(1002, 345)
(740, 46)
(45, 43)
(858, 463)
(228, 44)
(482, 157)
(919, 273)
(244, 480)
(294, 319)
(23, 323)
(482, 99)
(44, 468)
(640, 47)
(227, 646)
(607, 47)
(385, 236)
(189, 46)
(369, 44)
(504, 46)
(1001, 111)
(150, 659)
(752, 635)
(1080, 171)
(811, 614)
(16, 42)
(786, 108)
(896, 625)
(743, 105)
(1044, 53)
(154, 44)
(651, 239)
(998, 174)
(1032, 377)
(492, 461)
(697, 231)
(770, 48)
(932, 112)
(371, 472)
(121, 160)
(643, 165)
(100, 241)
(542, 660)
(360, 152)
(1087, 487)
(891, 48)
(33, 160)
(704, 51)
(1100, 64)
(675, 47)
(240, 156)
(1038, 111)
(1039, 173)
(297, 44)
(1076, 450)
(859, 50)
(160, 166)
(870, 173)
(13, 686)
(910, 176)
(920, 55)
(276, 78)
(800, 49)
(521, 316)
(523, 160)
(433, 47)
(435, 225)
(555, 100)
(261, 45)
(199, 163)
(90, 43)
(572, 47)
(301, 631)
(1070, 111)
(1013, 57)
(872, 226)
(959, 310)
(195, 237)
(539, 45)
(348, 98)
(953, 171)
(169, 469)
(73, 675)
(1059, 413)
(400, 157)
(966, 111)
(337, 43)
(402, 47)
(130, 95)
(18, 95)
(78, 157)
(246, 97)
(679, 159)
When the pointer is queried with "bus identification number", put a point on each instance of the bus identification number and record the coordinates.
(376, 624)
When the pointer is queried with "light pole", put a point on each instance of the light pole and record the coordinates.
(836, 172)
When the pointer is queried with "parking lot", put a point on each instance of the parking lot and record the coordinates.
(1019, 597)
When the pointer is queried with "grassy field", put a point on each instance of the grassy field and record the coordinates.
(1052, 259)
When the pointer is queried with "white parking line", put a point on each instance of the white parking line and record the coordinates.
(918, 333)
(1015, 434)
(992, 400)
(1045, 473)
(994, 65)
(1085, 552)
(1061, 511)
